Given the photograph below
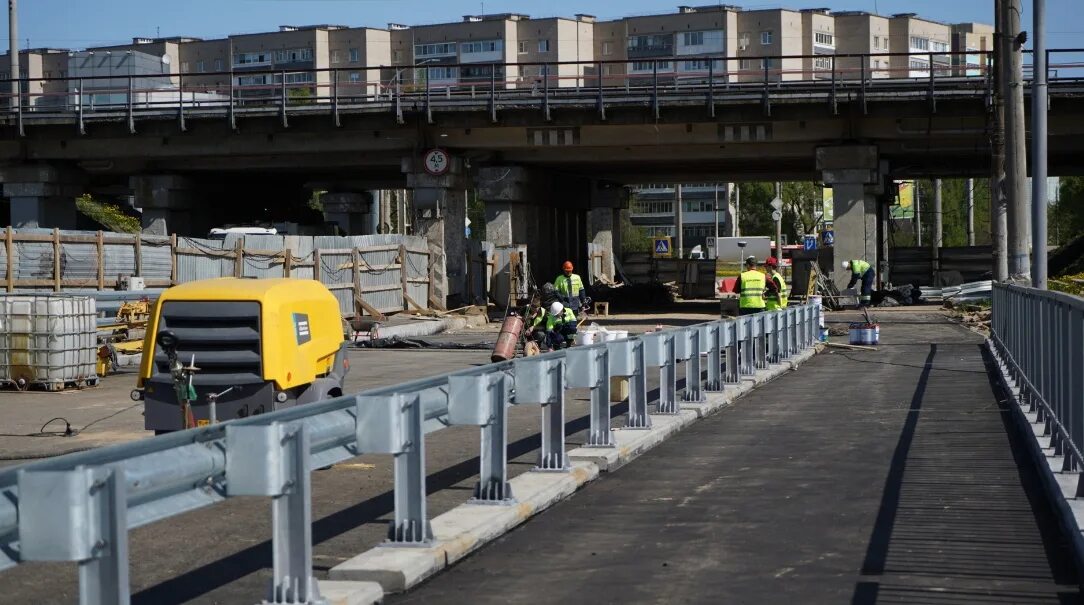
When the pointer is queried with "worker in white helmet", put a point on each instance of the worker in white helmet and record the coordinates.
(558, 325)
(861, 270)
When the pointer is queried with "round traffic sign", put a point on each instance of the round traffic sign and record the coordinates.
(777, 215)
(436, 162)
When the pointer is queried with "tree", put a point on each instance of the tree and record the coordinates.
(755, 216)
(800, 202)
(633, 238)
(476, 213)
(1067, 215)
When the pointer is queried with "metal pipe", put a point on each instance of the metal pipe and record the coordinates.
(679, 222)
(970, 212)
(918, 216)
(13, 52)
(779, 227)
(936, 239)
(1038, 148)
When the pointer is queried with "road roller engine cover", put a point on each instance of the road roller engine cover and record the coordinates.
(227, 348)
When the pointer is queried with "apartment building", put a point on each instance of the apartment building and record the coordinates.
(653, 211)
(34, 64)
(909, 33)
(678, 46)
(818, 43)
(763, 36)
(972, 39)
(860, 32)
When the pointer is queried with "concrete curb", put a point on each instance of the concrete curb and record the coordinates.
(468, 527)
(1061, 486)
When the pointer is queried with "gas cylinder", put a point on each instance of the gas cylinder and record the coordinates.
(505, 348)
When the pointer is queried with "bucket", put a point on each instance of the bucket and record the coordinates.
(824, 334)
(875, 334)
(856, 334)
(588, 337)
(617, 335)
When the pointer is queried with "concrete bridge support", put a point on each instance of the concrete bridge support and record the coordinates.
(167, 202)
(352, 212)
(854, 175)
(42, 195)
(440, 215)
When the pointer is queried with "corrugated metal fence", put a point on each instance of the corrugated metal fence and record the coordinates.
(379, 273)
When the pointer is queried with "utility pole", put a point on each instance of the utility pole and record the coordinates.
(1038, 148)
(779, 227)
(970, 212)
(679, 221)
(999, 225)
(918, 215)
(936, 239)
(737, 210)
(1015, 143)
(13, 52)
(715, 242)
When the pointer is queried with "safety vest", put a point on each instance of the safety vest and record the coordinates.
(859, 267)
(752, 290)
(769, 301)
(569, 286)
(553, 322)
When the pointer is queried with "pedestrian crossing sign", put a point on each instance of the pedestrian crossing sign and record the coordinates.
(662, 246)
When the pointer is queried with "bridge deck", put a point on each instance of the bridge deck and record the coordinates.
(867, 477)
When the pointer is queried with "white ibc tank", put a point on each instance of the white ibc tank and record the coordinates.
(47, 341)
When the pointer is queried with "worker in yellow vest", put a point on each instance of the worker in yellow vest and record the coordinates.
(861, 270)
(570, 290)
(777, 286)
(751, 285)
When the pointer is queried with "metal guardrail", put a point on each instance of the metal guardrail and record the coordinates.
(80, 507)
(1038, 336)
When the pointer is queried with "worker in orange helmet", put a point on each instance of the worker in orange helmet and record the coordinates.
(570, 289)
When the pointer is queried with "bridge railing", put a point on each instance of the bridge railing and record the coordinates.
(425, 84)
(1038, 336)
(80, 507)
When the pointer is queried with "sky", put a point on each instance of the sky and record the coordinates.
(83, 23)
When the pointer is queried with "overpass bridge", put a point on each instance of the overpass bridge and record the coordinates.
(943, 467)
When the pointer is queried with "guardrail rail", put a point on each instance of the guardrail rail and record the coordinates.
(80, 507)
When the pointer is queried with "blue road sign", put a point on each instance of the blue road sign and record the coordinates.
(662, 246)
(829, 237)
(810, 242)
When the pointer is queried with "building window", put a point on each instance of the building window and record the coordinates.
(825, 63)
(766, 63)
(939, 47)
(294, 55)
(650, 66)
(824, 38)
(743, 40)
(483, 46)
(355, 55)
(295, 78)
(336, 57)
(184, 67)
(252, 80)
(355, 77)
(201, 66)
(919, 64)
(694, 38)
(397, 56)
(607, 48)
(251, 58)
(651, 42)
(522, 47)
(653, 207)
(918, 43)
(766, 37)
(543, 46)
(701, 65)
(442, 73)
(440, 49)
(218, 64)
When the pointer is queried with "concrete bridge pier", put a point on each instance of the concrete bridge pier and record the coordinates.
(853, 172)
(351, 211)
(42, 195)
(440, 215)
(167, 202)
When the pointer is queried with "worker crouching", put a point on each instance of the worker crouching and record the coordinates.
(556, 328)
(861, 270)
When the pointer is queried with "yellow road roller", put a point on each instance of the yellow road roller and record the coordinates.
(227, 348)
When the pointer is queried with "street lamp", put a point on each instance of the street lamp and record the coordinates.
(395, 78)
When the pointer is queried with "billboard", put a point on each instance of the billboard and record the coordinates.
(826, 201)
(905, 200)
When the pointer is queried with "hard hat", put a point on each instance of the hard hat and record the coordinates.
(846, 264)
(771, 262)
(556, 309)
(751, 260)
(567, 266)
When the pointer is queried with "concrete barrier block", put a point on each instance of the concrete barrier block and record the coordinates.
(632, 443)
(351, 593)
(394, 568)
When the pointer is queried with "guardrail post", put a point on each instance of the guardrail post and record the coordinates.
(832, 97)
(745, 345)
(711, 88)
(862, 82)
(760, 321)
(493, 93)
(428, 100)
(282, 101)
(711, 343)
(79, 108)
(273, 460)
(392, 424)
(483, 401)
(588, 368)
(766, 96)
(687, 349)
(627, 360)
(397, 106)
(1074, 376)
(231, 111)
(335, 97)
(655, 88)
(933, 99)
(601, 102)
(659, 353)
(542, 381)
(180, 103)
(731, 334)
(79, 515)
(130, 107)
(546, 91)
